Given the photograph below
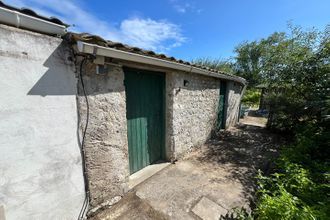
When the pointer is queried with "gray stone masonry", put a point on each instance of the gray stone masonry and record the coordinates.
(192, 109)
(106, 148)
(191, 113)
(233, 101)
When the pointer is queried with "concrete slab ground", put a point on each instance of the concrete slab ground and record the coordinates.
(209, 182)
(208, 210)
(176, 190)
(130, 207)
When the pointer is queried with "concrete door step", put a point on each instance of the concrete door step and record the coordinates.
(142, 175)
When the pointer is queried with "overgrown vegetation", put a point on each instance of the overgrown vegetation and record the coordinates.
(216, 64)
(299, 189)
(296, 68)
(251, 97)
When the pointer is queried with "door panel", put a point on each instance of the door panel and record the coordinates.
(222, 106)
(145, 117)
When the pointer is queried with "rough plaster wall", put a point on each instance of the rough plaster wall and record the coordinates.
(194, 111)
(106, 144)
(233, 101)
(40, 161)
(169, 132)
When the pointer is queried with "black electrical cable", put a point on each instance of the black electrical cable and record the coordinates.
(86, 200)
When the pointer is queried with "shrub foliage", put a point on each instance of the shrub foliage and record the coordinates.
(296, 68)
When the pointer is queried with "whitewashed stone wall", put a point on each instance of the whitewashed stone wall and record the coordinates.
(192, 110)
(233, 101)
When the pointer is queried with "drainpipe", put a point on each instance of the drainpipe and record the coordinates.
(20, 20)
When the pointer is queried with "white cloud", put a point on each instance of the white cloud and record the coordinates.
(182, 6)
(151, 34)
(158, 35)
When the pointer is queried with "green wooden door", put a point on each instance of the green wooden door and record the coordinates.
(222, 106)
(145, 117)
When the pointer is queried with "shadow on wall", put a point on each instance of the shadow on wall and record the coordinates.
(60, 73)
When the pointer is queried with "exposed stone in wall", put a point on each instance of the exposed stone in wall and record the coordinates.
(233, 101)
(191, 114)
(169, 116)
(194, 110)
(106, 146)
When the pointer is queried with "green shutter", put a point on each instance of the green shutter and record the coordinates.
(222, 106)
(145, 117)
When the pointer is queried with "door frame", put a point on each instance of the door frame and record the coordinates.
(163, 154)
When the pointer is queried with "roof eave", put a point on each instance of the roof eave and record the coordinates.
(95, 49)
(20, 20)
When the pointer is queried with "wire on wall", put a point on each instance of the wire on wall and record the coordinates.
(84, 207)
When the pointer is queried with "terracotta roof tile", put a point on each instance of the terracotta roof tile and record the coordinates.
(94, 39)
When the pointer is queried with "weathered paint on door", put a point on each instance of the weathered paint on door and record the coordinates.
(222, 104)
(145, 117)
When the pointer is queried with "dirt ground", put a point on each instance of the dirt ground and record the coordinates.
(256, 121)
(221, 171)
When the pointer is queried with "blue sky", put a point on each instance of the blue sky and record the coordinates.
(184, 29)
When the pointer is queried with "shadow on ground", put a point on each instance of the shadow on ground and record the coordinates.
(221, 172)
(243, 149)
(130, 207)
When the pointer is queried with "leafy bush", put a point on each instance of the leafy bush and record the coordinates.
(238, 214)
(295, 67)
(297, 70)
(300, 187)
(251, 97)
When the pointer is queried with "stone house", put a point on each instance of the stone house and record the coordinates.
(80, 115)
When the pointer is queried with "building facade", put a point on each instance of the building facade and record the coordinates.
(78, 118)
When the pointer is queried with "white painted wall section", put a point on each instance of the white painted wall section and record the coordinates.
(40, 162)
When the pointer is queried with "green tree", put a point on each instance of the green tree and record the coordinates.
(296, 66)
(248, 61)
(297, 71)
(216, 64)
